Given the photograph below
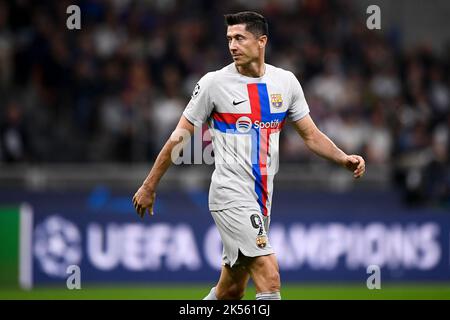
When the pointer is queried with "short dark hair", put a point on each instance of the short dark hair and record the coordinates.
(254, 22)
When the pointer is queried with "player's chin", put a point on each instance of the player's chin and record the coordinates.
(239, 61)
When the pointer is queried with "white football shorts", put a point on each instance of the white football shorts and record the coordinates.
(244, 230)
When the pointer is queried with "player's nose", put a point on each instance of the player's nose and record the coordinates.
(232, 45)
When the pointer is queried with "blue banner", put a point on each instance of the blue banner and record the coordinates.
(315, 240)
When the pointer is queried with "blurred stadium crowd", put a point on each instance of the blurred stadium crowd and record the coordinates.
(114, 90)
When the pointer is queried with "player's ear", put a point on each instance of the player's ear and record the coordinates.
(262, 41)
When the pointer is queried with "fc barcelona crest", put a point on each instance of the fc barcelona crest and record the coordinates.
(276, 100)
(261, 241)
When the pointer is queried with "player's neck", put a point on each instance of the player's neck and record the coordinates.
(253, 70)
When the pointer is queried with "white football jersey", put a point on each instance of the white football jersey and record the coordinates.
(245, 116)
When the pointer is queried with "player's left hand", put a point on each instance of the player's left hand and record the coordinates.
(356, 164)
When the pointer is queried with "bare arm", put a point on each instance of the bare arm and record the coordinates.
(144, 198)
(321, 145)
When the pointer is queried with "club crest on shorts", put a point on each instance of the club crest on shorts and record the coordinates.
(261, 241)
(276, 100)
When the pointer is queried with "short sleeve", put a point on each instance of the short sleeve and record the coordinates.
(298, 107)
(200, 106)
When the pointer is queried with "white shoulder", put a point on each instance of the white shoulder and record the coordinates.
(204, 84)
(208, 78)
(280, 72)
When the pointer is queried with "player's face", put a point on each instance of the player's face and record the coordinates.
(244, 46)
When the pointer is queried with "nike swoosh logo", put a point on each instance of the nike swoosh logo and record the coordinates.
(236, 103)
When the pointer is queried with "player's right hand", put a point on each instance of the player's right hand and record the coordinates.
(143, 201)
